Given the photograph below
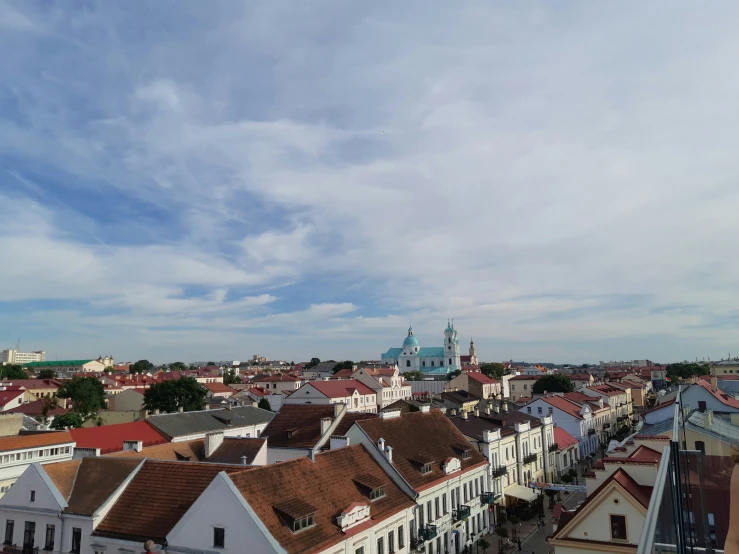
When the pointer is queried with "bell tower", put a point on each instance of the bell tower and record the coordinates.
(473, 354)
(452, 355)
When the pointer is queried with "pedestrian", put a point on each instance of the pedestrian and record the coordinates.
(519, 545)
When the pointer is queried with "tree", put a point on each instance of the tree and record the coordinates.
(109, 369)
(264, 404)
(573, 473)
(650, 401)
(86, 394)
(47, 404)
(142, 366)
(567, 478)
(453, 374)
(46, 374)
(502, 533)
(413, 408)
(348, 364)
(494, 371)
(551, 494)
(412, 376)
(553, 383)
(606, 376)
(177, 366)
(313, 362)
(482, 543)
(680, 371)
(68, 421)
(12, 371)
(292, 364)
(230, 377)
(170, 396)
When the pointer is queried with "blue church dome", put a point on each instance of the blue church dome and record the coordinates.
(410, 340)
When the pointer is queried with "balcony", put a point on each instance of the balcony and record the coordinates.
(606, 426)
(530, 459)
(463, 512)
(553, 447)
(591, 431)
(500, 471)
(427, 532)
(487, 498)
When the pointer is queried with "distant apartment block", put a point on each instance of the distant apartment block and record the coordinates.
(14, 357)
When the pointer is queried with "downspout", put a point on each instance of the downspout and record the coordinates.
(61, 535)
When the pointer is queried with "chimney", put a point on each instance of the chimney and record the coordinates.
(505, 406)
(389, 454)
(181, 409)
(714, 383)
(477, 411)
(337, 409)
(133, 445)
(325, 424)
(337, 441)
(212, 442)
(487, 409)
(425, 409)
(381, 445)
(707, 419)
(735, 419)
(464, 414)
(243, 460)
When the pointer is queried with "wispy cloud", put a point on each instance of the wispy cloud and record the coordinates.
(557, 178)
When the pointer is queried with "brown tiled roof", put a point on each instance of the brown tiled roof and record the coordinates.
(86, 483)
(217, 387)
(233, 448)
(190, 451)
(349, 419)
(63, 475)
(157, 498)
(328, 485)
(304, 421)
(409, 436)
(646, 454)
(20, 442)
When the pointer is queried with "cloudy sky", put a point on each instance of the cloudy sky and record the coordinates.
(196, 180)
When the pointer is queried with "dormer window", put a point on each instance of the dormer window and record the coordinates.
(464, 451)
(298, 515)
(425, 468)
(378, 493)
(304, 523)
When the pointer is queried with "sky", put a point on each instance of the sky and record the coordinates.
(193, 180)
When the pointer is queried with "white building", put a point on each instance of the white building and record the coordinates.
(19, 452)
(388, 384)
(574, 418)
(357, 396)
(14, 357)
(429, 360)
(446, 476)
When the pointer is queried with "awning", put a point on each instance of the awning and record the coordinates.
(523, 493)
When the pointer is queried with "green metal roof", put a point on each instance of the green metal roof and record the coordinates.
(57, 363)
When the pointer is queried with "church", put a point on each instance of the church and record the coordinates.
(432, 361)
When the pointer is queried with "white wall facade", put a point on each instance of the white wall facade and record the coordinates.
(578, 428)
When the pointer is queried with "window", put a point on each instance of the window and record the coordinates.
(525, 387)
(33, 496)
(49, 543)
(450, 361)
(9, 525)
(391, 542)
(380, 546)
(618, 528)
(539, 410)
(444, 504)
(712, 528)
(29, 534)
(429, 513)
(701, 405)
(359, 550)
(700, 445)
(407, 363)
(436, 507)
(426, 469)
(377, 493)
(551, 410)
(513, 387)
(219, 537)
(303, 523)
(401, 537)
(528, 410)
(76, 540)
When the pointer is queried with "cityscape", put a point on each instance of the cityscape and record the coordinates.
(368, 278)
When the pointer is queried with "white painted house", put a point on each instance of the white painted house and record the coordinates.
(357, 396)
(19, 452)
(574, 418)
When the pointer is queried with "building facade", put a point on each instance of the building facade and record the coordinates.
(429, 360)
(14, 357)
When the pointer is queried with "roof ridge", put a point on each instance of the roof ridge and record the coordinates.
(74, 481)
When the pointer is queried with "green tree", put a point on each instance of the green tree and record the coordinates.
(142, 366)
(413, 408)
(412, 375)
(12, 371)
(47, 374)
(177, 366)
(211, 363)
(86, 394)
(650, 401)
(606, 376)
(264, 404)
(170, 396)
(348, 364)
(553, 383)
(494, 371)
(482, 543)
(567, 478)
(313, 363)
(230, 377)
(109, 369)
(680, 371)
(47, 404)
(502, 533)
(551, 494)
(67, 421)
(453, 374)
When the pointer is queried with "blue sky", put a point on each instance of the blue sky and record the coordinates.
(198, 180)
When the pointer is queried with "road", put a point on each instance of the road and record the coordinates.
(536, 542)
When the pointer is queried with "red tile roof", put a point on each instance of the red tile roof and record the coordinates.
(661, 406)
(563, 438)
(31, 384)
(644, 453)
(109, 438)
(10, 395)
(340, 389)
(722, 397)
(36, 408)
(217, 387)
(278, 378)
(330, 485)
(409, 434)
(564, 405)
(482, 378)
(20, 442)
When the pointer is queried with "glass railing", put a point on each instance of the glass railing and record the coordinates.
(690, 508)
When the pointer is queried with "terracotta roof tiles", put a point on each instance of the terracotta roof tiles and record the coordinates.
(109, 438)
(20, 442)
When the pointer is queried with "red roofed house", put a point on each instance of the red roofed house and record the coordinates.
(567, 451)
(281, 382)
(356, 395)
(477, 383)
(575, 418)
(20, 451)
(386, 382)
(11, 397)
(218, 390)
(96, 441)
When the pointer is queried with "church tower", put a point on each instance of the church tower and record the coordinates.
(473, 354)
(452, 354)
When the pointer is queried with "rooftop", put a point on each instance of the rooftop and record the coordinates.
(341, 388)
(192, 423)
(109, 438)
(21, 442)
(563, 439)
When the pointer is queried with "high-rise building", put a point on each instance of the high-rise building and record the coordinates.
(11, 356)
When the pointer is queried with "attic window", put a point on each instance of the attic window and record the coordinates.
(464, 451)
(465, 455)
(304, 523)
(425, 468)
(376, 494)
